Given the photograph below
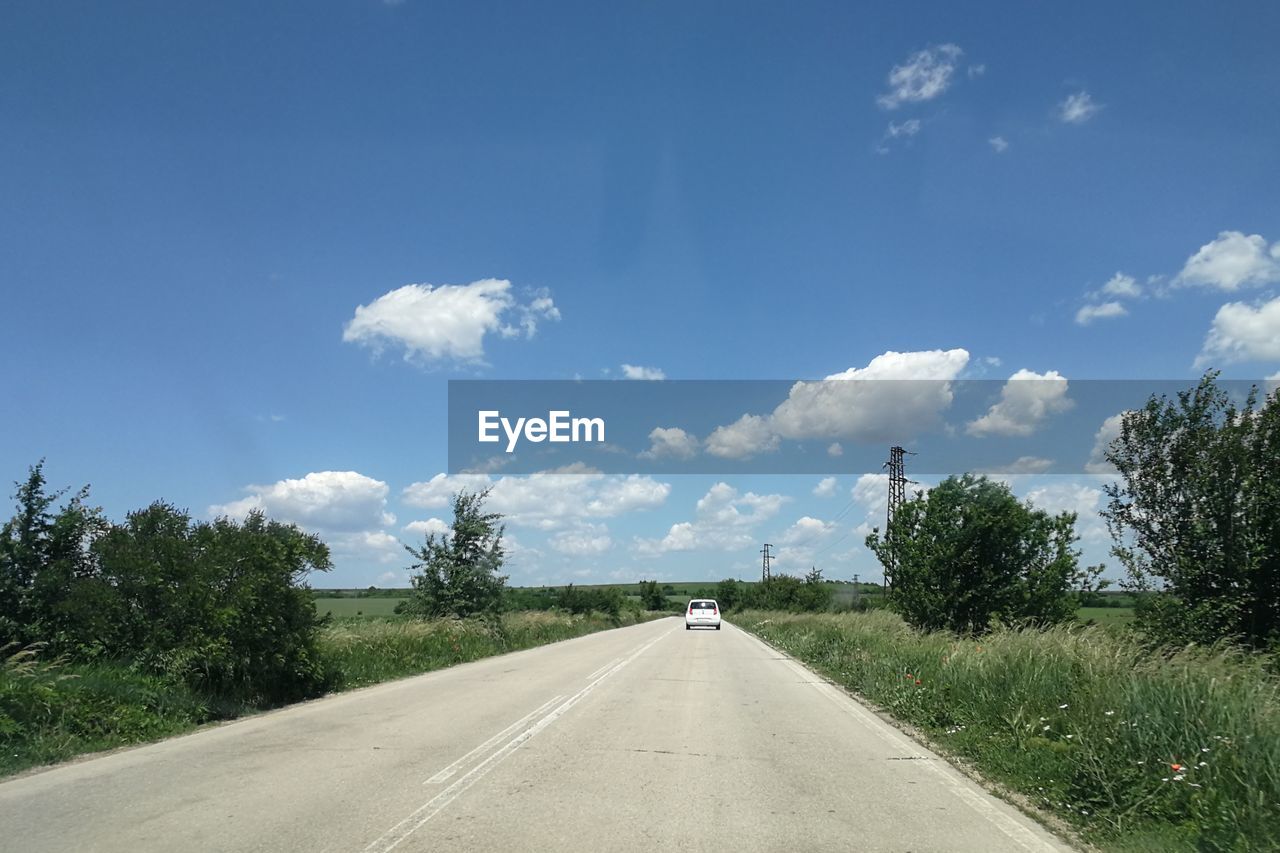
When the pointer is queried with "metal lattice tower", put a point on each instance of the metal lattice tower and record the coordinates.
(764, 575)
(897, 494)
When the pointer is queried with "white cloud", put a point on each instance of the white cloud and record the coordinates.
(977, 70)
(999, 143)
(548, 501)
(1122, 286)
(1104, 311)
(322, 501)
(585, 540)
(1231, 261)
(671, 443)
(1242, 332)
(1027, 400)
(1083, 500)
(826, 487)
(1078, 108)
(806, 529)
(1023, 465)
(746, 437)
(1107, 433)
(839, 407)
(448, 321)
(633, 371)
(834, 449)
(924, 76)
(723, 521)
(427, 527)
(910, 127)
(871, 492)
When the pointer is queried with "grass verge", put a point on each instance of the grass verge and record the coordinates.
(1179, 751)
(52, 710)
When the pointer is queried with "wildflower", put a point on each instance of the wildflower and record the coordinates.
(1069, 737)
(1175, 767)
(1204, 749)
(1045, 729)
(1195, 785)
(1062, 707)
(1179, 777)
(1203, 764)
(917, 681)
(1109, 713)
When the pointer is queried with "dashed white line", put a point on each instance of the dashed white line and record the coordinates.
(402, 830)
(444, 774)
(602, 669)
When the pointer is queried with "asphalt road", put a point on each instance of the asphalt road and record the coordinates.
(642, 738)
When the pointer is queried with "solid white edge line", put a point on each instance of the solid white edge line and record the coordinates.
(402, 830)
(453, 768)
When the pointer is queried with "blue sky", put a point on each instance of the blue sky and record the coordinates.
(197, 201)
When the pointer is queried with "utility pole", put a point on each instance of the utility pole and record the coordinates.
(897, 494)
(764, 576)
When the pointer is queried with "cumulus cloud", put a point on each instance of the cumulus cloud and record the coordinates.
(1083, 500)
(581, 541)
(1242, 332)
(323, 501)
(633, 371)
(1122, 286)
(547, 501)
(835, 449)
(924, 76)
(1027, 400)
(848, 405)
(1078, 108)
(427, 527)
(1023, 465)
(723, 520)
(1103, 311)
(1232, 261)
(826, 487)
(671, 443)
(448, 321)
(1107, 433)
(745, 437)
(999, 143)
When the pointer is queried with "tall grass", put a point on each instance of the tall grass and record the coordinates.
(1138, 751)
(51, 710)
(369, 650)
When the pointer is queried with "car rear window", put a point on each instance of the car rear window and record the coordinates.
(703, 605)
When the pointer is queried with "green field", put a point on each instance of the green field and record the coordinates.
(1106, 615)
(357, 606)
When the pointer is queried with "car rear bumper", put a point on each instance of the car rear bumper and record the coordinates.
(702, 621)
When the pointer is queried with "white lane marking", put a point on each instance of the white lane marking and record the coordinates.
(602, 669)
(402, 830)
(491, 742)
(953, 779)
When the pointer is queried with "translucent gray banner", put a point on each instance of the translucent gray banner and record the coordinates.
(1045, 425)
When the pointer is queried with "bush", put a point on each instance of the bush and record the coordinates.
(969, 554)
(457, 574)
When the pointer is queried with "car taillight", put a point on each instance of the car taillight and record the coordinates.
(690, 611)
(715, 610)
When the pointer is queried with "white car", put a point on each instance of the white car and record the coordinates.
(704, 612)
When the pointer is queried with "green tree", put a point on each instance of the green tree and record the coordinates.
(457, 572)
(651, 597)
(728, 594)
(48, 577)
(1196, 514)
(969, 553)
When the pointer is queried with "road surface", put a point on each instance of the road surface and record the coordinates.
(647, 737)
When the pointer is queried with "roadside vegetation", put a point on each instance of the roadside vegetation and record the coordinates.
(113, 634)
(1177, 750)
